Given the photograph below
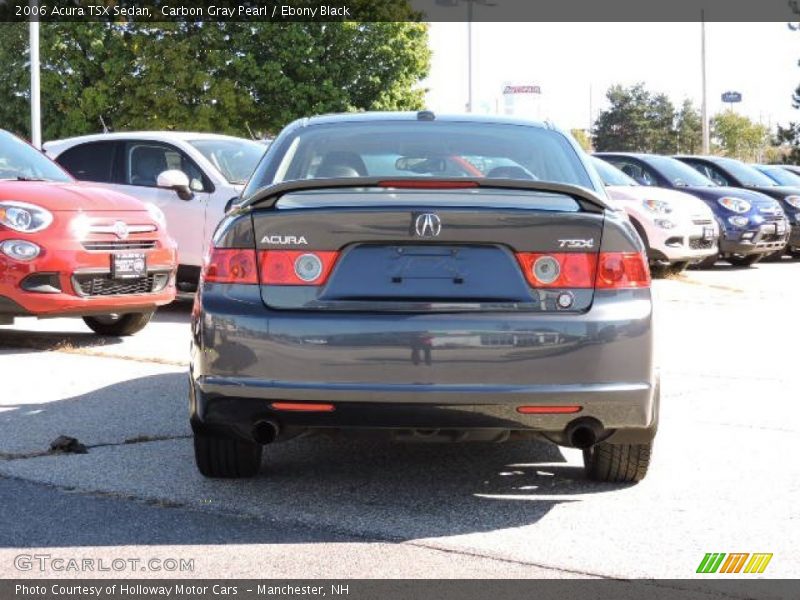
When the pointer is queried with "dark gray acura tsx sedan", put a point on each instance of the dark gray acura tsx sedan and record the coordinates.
(455, 278)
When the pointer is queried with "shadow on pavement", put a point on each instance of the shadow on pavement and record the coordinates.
(340, 484)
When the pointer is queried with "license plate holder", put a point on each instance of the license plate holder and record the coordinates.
(128, 265)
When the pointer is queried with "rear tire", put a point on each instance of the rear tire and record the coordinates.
(119, 325)
(617, 463)
(744, 261)
(226, 458)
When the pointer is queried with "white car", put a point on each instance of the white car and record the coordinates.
(191, 177)
(678, 229)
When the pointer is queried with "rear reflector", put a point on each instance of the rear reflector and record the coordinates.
(622, 270)
(428, 184)
(303, 406)
(548, 410)
(295, 267)
(558, 270)
(231, 265)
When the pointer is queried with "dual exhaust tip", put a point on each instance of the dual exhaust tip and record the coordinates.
(581, 433)
(584, 433)
(265, 432)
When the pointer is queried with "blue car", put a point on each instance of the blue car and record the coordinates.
(752, 225)
(784, 176)
(734, 173)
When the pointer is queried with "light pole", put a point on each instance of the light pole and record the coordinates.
(36, 113)
(470, 9)
(704, 108)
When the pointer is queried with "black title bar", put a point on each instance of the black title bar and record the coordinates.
(285, 11)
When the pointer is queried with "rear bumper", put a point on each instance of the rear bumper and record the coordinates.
(424, 371)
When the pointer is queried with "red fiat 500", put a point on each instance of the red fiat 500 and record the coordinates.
(73, 249)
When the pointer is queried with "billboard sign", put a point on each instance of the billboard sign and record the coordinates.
(521, 89)
(731, 97)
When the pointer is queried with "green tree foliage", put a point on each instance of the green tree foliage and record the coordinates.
(737, 136)
(223, 77)
(640, 121)
(689, 129)
(789, 137)
(624, 125)
(582, 137)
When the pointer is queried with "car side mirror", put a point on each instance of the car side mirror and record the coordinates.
(178, 181)
(229, 204)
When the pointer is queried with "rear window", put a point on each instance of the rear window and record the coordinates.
(422, 149)
(90, 162)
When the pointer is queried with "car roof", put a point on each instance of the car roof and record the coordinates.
(642, 155)
(166, 136)
(707, 157)
(356, 117)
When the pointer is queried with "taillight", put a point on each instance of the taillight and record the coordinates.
(558, 270)
(296, 267)
(608, 270)
(231, 265)
(620, 270)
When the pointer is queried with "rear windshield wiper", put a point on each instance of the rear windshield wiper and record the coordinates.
(23, 178)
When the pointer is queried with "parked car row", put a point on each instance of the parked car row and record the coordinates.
(366, 248)
(755, 215)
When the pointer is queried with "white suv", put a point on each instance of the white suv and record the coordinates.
(678, 229)
(191, 177)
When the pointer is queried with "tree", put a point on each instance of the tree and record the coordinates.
(739, 137)
(636, 121)
(227, 77)
(789, 137)
(689, 129)
(582, 137)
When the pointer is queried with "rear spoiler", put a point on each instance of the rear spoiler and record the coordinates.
(267, 197)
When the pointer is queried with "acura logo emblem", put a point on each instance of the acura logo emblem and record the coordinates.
(121, 229)
(428, 225)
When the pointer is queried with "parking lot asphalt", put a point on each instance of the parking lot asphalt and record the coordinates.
(724, 476)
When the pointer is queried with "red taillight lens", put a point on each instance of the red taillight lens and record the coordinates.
(621, 270)
(296, 267)
(558, 270)
(231, 265)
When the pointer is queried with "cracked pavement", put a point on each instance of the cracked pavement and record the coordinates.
(722, 479)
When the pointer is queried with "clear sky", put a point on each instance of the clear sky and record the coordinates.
(567, 60)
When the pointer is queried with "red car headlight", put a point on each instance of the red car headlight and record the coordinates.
(24, 217)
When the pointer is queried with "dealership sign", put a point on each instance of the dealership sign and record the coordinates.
(731, 97)
(521, 89)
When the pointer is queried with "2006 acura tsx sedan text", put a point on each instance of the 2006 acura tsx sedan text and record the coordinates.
(440, 278)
